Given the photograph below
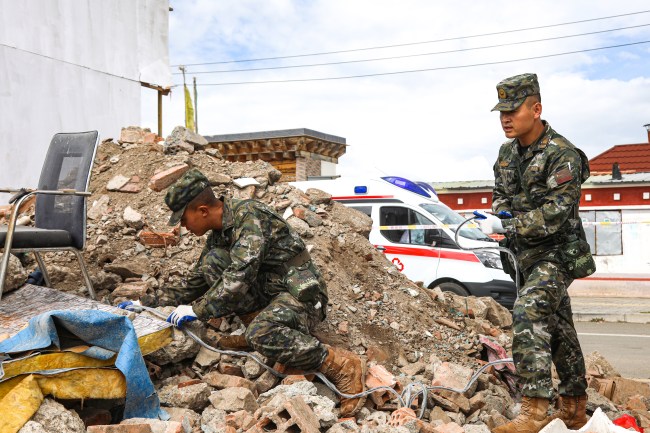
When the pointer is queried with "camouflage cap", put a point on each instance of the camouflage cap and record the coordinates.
(183, 191)
(513, 91)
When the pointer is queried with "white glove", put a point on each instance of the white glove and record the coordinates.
(130, 305)
(488, 223)
(182, 314)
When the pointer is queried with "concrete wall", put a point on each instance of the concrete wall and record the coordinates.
(69, 66)
(636, 248)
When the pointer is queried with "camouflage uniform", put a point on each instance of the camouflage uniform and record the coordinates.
(241, 270)
(540, 186)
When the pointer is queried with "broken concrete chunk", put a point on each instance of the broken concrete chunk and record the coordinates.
(54, 417)
(155, 425)
(181, 347)
(206, 358)
(213, 420)
(194, 397)
(454, 376)
(117, 182)
(317, 196)
(132, 218)
(133, 134)
(99, 207)
(183, 139)
(234, 399)
(222, 381)
(33, 427)
(135, 290)
(293, 415)
(16, 274)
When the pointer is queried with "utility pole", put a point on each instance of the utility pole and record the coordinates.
(196, 109)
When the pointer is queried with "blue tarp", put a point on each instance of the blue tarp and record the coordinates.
(108, 334)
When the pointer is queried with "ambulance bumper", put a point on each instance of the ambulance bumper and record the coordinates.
(502, 291)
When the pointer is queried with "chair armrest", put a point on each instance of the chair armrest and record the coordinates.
(28, 193)
(62, 192)
(45, 191)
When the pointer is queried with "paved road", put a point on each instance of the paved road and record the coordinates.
(625, 345)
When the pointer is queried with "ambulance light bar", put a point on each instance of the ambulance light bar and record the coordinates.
(407, 185)
(427, 187)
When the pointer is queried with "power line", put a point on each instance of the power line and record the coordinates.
(419, 43)
(71, 63)
(417, 55)
(428, 69)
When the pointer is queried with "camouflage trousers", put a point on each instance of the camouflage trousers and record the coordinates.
(280, 332)
(544, 333)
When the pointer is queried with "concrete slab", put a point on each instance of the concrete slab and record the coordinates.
(610, 309)
(612, 285)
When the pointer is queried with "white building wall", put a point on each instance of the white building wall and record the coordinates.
(73, 65)
(636, 248)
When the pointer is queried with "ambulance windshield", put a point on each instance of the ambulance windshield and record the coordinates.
(453, 220)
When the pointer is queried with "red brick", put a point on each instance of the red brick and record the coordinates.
(377, 354)
(378, 376)
(162, 180)
(150, 138)
(299, 212)
(158, 239)
(401, 416)
(450, 427)
(155, 425)
(189, 383)
(240, 420)
(230, 369)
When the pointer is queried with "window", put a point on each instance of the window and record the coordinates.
(605, 238)
(365, 209)
(453, 220)
(401, 216)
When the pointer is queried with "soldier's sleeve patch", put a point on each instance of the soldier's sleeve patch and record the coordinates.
(563, 176)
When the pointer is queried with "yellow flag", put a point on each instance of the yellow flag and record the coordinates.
(189, 110)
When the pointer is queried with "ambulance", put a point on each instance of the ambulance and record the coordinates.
(416, 232)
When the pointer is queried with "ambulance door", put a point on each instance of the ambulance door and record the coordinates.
(413, 250)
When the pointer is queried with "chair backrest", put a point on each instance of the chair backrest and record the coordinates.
(67, 165)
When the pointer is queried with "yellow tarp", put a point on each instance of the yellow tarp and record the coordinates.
(21, 396)
(26, 380)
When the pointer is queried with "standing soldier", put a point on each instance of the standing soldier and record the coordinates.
(253, 261)
(538, 176)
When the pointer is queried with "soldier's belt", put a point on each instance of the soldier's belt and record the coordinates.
(297, 260)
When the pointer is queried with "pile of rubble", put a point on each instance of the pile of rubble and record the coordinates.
(412, 336)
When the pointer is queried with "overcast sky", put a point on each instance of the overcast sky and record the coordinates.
(434, 125)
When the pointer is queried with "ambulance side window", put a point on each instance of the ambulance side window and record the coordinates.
(365, 209)
(393, 216)
(400, 216)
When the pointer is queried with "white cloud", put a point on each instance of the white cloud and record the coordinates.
(432, 125)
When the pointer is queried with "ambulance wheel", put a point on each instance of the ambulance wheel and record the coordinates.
(453, 288)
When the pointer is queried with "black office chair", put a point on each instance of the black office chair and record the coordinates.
(60, 219)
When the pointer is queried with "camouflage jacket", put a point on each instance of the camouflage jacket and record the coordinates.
(540, 186)
(259, 240)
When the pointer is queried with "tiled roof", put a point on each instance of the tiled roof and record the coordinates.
(631, 158)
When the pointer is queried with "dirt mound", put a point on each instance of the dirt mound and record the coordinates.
(373, 309)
